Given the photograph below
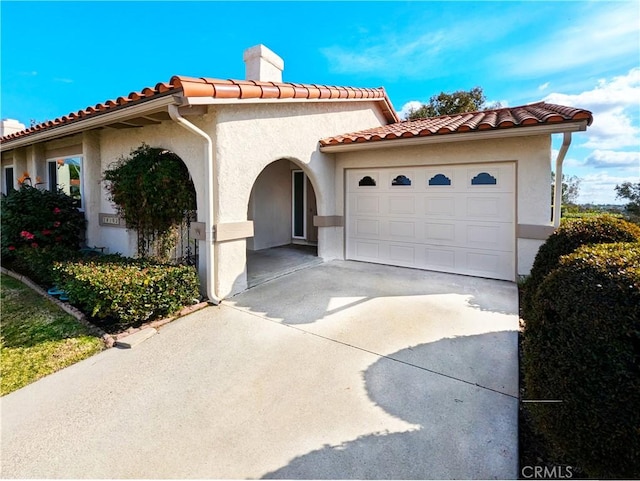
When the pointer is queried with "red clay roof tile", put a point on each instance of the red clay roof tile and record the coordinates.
(283, 91)
(273, 91)
(216, 88)
(540, 113)
(527, 115)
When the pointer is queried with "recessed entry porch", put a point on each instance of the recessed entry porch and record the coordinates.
(267, 264)
(282, 206)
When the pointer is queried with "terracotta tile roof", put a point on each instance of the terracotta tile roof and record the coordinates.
(219, 89)
(540, 113)
(252, 89)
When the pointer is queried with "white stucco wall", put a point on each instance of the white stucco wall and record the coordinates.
(270, 207)
(99, 149)
(116, 143)
(20, 162)
(531, 154)
(92, 179)
(246, 140)
(250, 137)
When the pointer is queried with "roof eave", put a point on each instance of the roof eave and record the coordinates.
(523, 131)
(158, 103)
(92, 122)
(386, 107)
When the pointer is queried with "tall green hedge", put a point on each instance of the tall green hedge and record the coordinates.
(572, 234)
(583, 347)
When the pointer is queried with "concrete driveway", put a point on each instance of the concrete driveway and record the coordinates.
(343, 370)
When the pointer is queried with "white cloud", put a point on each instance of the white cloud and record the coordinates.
(609, 158)
(544, 86)
(612, 130)
(622, 91)
(609, 155)
(422, 45)
(392, 54)
(614, 104)
(568, 162)
(599, 188)
(600, 34)
(497, 103)
(406, 108)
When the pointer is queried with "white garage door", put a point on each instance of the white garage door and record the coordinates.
(456, 219)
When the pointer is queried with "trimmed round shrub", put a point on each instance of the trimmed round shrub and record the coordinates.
(572, 234)
(583, 348)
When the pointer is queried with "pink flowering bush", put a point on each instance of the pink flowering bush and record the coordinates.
(39, 227)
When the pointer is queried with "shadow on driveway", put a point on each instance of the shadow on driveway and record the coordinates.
(466, 431)
(355, 371)
(306, 296)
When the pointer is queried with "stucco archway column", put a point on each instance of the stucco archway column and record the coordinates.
(92, 176)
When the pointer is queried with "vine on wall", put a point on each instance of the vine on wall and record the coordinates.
(152, 190)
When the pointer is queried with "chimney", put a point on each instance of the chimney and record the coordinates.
(262, 64)
(10, 126)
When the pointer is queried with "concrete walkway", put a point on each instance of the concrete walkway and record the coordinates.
(343, 370)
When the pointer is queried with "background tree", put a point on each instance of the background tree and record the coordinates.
(631, 192)
(570, 188)
(454, 103)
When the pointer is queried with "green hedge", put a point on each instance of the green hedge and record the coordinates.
(572, 234)
(583, 347)
(129, 291)
(589, 215)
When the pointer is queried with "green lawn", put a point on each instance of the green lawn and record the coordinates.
(37, 338)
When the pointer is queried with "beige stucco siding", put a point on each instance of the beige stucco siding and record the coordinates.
(112, 144)
(246, 137)
(250, 137)
(270, 206)
(7, 160)
(117, 143)
(92, 180)
(19, 161)
(63, 147)
(532, 156)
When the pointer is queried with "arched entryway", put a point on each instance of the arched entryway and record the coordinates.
(282, 206)
(162, 232)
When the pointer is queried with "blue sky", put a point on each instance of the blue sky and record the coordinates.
(59, 57)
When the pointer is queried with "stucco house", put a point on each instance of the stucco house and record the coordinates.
(274, 162)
